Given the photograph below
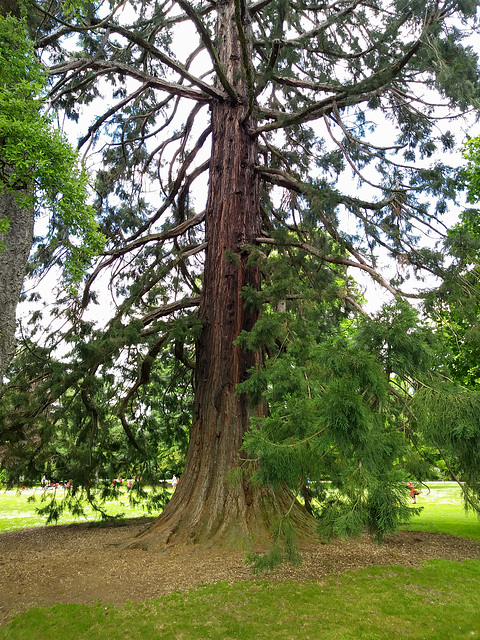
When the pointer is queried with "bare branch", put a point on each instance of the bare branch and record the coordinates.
(209, 45)
(258, 6)
(178, 182)
(105, 67)
(147, 46)
(156, 237)
(171, 307)
(98, 123)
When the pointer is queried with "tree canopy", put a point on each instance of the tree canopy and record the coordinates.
(250, 160)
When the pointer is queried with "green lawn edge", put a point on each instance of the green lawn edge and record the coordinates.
(438, 600)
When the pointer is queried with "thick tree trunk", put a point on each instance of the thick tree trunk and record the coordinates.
(215, 503)
(13, 259)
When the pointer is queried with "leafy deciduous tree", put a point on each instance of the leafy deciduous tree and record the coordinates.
(39, 172)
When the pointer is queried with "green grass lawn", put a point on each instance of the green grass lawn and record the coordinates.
(439, 601)
(443, 512)
(18, 511)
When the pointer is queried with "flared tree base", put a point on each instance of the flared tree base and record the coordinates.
(244, 519)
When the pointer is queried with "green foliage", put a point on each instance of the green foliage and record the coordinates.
(38, 164)
(449, 418)
(340, 409)
(471, 153)
(282, 550)
(81, 438)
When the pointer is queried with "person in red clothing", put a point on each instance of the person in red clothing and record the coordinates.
(413, 492)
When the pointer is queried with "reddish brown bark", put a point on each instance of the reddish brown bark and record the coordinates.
(212, 504)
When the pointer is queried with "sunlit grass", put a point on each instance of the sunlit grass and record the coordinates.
(18, 511)
(443, 512)
(438, 601)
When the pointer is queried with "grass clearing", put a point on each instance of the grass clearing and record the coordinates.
(18, 512)
(439, 601)
(443, 512)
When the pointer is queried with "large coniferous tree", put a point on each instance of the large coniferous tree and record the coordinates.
(299, 96)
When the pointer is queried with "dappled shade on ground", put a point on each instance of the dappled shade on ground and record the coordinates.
(65, 564)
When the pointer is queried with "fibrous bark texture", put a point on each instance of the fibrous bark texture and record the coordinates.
(215, 503)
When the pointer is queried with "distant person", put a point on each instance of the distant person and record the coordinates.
(44, 482)
(413, 492)
(174, 481)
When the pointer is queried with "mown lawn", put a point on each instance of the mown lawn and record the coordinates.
(439, 601)
(443, 512)
(18, 509)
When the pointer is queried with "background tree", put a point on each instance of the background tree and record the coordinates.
(39, 173)
(448, 413)
(316, 126)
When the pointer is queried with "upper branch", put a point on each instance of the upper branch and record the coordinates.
(347, 95)
(124, 69)
(337, 260)
(155, 237)
(209, 45)
(148, 47)
(239, 11)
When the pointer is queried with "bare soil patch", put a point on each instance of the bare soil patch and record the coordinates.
(77, 563)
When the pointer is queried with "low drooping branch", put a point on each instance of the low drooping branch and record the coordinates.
(143, 378)
(468, 500)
